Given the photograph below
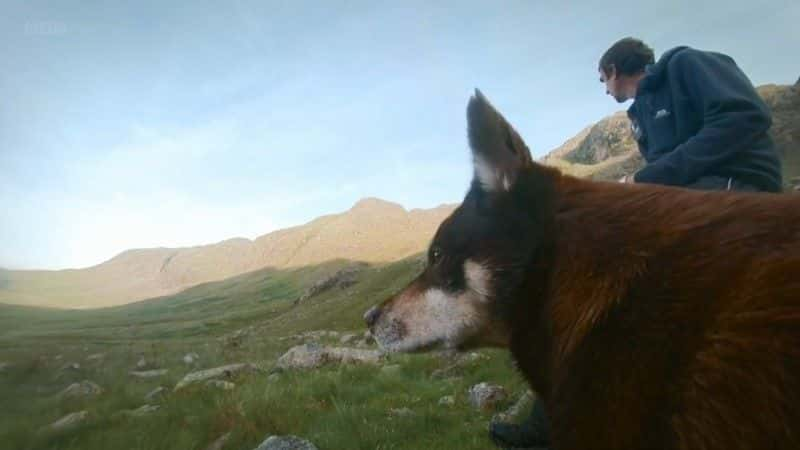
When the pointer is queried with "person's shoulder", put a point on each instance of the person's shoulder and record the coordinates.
(687, 56)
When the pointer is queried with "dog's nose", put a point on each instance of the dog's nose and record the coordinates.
(371, 316)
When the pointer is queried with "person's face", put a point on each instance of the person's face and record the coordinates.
(613, 85)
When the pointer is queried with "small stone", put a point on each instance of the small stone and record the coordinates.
(156, 394)
(140, 411)
(486, 396)
(220, 442)
(274, 377)
(71, 366)
(288, 442)
(401, 412)
(447, 400)
(221, 384)
(4, 366)
(516, 411)
(190, 358)
(149, 373)
(222, 371)
(68, 421)
(142, 363)
(84, 388)
(95, 356)
(368, 338)
(348, 339)
(391, 369)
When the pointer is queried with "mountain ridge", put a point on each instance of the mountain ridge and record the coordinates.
(372, 230)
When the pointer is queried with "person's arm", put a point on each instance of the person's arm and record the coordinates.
(733, 116)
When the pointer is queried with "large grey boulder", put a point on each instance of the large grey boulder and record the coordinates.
(218, 372)
(288, 442)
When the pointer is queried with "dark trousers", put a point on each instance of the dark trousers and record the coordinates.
(715, 183)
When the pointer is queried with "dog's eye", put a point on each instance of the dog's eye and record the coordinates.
(436, 254)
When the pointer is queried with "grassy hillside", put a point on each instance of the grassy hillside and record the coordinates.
(372, 230)
(336, 407)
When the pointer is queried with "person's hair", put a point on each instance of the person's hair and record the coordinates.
(628, 56)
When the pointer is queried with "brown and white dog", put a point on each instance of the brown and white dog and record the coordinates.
(646, 317)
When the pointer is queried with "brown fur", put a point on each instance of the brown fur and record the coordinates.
(672, 319)
(646, 317)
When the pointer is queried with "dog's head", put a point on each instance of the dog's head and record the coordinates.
(480, 255)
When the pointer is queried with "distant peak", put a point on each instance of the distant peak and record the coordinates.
(370, 203)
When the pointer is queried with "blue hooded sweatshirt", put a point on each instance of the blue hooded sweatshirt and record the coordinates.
(696, 114)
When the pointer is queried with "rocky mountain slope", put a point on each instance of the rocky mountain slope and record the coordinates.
(372, 230)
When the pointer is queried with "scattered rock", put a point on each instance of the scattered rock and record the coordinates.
(447, 400)
(68, 421)
(71, 366)
(401, 412)
(95, 356)
(311, 356)
(342, 279)
(140, 411)
(84, 388)
(449, 371)
(368, 338)
(391, 369)
(190, 358)
(305, 356)
(221, 384)
(149, 373)
(142, 363)
(520, 407)
(355, 355)
(220, 442)
(348, 338)
(486, 396)
(224, 371)
(4, 366)
(156, 394)
(237, 338)
(288, 442)
(319, 334)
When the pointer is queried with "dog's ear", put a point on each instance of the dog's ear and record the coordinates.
(498, 152)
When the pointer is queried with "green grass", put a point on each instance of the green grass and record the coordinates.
(336, 407)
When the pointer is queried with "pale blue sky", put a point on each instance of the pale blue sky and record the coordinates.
(145, 124)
